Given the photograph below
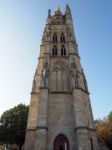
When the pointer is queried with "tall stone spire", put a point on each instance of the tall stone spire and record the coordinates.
(60, 115)
(68, 8)
(49, 13)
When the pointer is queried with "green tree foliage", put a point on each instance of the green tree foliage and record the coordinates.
(13, 125)
(104, 130)
(110, 117)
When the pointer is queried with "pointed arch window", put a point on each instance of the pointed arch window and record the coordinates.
(54, 51)
(62, 38)
(55, 37)
(77, 80)
(63, 51)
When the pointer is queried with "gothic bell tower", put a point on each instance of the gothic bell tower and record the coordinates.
(60, 115)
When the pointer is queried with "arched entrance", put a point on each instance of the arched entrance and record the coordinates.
(61, 143)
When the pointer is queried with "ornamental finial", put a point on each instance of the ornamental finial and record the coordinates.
(57, 10)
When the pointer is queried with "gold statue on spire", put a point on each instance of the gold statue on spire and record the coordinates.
(57, 10)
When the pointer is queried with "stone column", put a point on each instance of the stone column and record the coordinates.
(32, 122)
(41, 130)
(81, 120)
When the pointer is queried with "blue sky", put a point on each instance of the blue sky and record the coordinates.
(21, 26)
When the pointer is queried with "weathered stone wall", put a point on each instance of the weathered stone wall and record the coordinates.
(60, 119)
(30, 139)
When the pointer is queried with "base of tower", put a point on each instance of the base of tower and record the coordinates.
(30, 139)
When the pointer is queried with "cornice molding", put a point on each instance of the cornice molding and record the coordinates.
(83, 128)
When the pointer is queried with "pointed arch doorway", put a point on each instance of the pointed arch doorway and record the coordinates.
(61, 143)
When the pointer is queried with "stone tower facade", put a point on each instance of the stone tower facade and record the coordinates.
(60, 115)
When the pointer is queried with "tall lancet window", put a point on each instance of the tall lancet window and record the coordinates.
(77, 80)
(62, 38)
(54, 51)
(55, 38)
(91, 143)
(63, 50)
